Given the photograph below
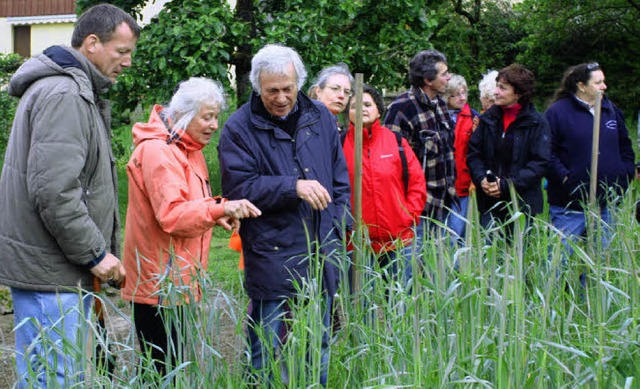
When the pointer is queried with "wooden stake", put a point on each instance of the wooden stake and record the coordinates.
(358, 238)
(595, 150)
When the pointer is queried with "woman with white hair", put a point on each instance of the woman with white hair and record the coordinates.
(465, 120)
(487, 88)
(171, 211)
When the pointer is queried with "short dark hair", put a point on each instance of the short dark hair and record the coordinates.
(423, 65)
(573, 76)
(521, 79)
(101, 20)
(376, 96)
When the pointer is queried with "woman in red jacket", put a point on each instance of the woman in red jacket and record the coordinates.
(391, 207)
(466, 120)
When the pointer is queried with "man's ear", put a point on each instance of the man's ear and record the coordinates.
(90, 43)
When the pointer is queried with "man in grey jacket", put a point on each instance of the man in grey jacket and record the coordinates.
(59, 224)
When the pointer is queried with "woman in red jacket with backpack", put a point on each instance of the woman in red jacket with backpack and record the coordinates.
(394, 191)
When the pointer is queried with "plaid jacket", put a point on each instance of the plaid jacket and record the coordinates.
(429, 130)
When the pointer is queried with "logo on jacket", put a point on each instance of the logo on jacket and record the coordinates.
(611, 125)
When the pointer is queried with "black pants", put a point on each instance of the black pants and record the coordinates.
(151, 323)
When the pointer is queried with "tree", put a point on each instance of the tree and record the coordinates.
(193, 38)
(133, 7)
(561, 33)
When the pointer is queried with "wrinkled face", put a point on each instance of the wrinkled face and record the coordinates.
(369, 111)
(112, 57)
(335, 93)
(458, 99)
(486, 102)
(204, 124)
(279, 92)
(505, 94)
(438, 86)
(595, 84)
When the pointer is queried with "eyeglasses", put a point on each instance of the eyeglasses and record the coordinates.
(593, 66)
(337, 89)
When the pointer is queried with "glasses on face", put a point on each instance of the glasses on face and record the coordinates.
(593, 66)
(337, 89)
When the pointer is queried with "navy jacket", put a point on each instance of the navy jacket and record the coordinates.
(530, 157)
(571, 126)
(262, 163)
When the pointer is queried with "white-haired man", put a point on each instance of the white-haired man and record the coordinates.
(280, 151)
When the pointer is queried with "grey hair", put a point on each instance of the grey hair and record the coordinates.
(487, 85)
(423, 65)
(275, 59)
(339, 68)
(189, 97)
(455, 83)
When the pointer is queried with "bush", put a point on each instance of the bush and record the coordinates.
(9, 63)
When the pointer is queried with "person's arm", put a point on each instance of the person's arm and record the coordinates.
(417, 189)
(59, 151)
(537, 165)
(174, 209)
(245, 176)
(626, 149)
(557, 171)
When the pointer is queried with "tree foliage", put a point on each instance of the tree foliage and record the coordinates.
(133, 7)
(193, 38)
(561, 33)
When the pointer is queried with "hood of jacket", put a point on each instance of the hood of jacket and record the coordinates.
(57, 61)
(156, 129)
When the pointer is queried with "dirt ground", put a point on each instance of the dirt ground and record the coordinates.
(119, 328)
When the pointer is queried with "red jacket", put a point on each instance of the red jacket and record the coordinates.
(388, 212)
(463, 131)
(170, 212)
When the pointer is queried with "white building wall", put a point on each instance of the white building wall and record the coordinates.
(6, 37)
(45, 35)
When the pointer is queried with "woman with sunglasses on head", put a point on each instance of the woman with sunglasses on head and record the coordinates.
(570, 118)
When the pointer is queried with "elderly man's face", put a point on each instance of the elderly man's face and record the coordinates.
(279, 91)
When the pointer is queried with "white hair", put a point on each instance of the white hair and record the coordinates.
(453, 86)
(275, 59)
(188, 99)
(487, 85)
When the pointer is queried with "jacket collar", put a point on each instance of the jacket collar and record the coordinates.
(309, 113)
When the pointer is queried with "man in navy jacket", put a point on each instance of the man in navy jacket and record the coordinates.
(281, 151)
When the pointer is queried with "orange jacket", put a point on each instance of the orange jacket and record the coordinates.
(170, 212)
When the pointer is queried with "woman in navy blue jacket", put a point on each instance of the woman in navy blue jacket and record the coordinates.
(571, 118)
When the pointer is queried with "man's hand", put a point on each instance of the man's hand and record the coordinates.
(110, 269)
(313, 193)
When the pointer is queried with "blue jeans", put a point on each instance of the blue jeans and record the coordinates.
(457, 219)
(572, 224)
(267, 317)
(51, 336)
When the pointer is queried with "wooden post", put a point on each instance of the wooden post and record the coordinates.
(595, 150)
(358, 237)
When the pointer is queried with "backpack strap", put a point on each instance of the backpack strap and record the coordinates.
(403, 159)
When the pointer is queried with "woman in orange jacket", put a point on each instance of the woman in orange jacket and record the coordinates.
(171, 211)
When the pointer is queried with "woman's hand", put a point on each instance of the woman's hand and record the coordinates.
(491, 188)
(234, 210)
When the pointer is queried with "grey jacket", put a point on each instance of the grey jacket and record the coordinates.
(58, 195)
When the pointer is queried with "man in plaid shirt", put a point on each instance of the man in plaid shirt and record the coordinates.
(421, 116)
